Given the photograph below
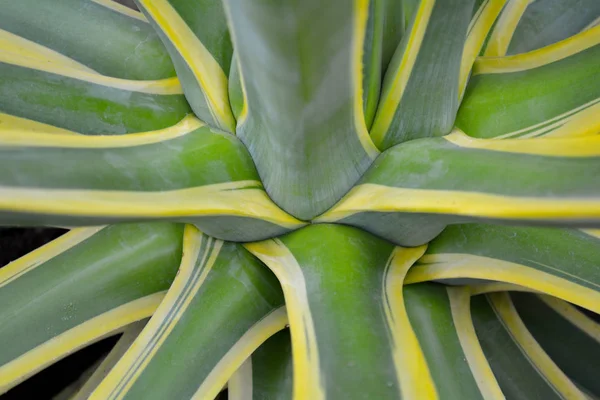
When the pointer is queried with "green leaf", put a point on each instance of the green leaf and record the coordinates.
(196, 36)
(558, 262)
(415, 189)
(569, 337)
(343, 291)
(267, 374)
(522, 368)
(86, 102)
(420, 90)
(222, 305)
(449, 343)
(88, 284)
(103, 35)
(516, 96)
(303, 120)
(545, 22)
(186, 173)
(127, 338)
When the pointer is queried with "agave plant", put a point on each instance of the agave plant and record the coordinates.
(305, 199)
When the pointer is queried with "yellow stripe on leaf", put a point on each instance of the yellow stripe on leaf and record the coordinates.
(505, 28)
(239, 353)
(241, 198)
(307, 376)
(574, 316)
(453, 266)
(482, 23)
(42, 254)
(361, 15)
(21, 47)
(10, 123)
(188, 281)
(505, 310)
(379, 198)
(99, 327)
(497, 287)
(411, 366)
(162, 86)
(393, 91)
(460, 306)
(537, 58)
(588, 146)
(20, 137)
(206, 69)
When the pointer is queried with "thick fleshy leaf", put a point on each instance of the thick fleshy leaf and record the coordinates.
(343, 289)
(196, 36)
(303, 118)
(88, 284)
(96, 35)
(569, 337)
(442, 323)
(415, 189)
(559, 262)
(553, 91)
(127, 338)
(545, 22)
(267, 374)
(222, 305)
(522, 368)
(186, 173)
(85, 102)
(421, 87)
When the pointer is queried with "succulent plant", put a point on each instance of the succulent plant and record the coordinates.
(305, 199)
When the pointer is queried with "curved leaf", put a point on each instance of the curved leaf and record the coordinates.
(552, 92)
(519, 365)
(186, 173)
(570, 338)
(196, 36)
(420, 90)
(103, 35)
(268, 374)
(222, 305)
(84, 286)
(415, 189)
(86, 102)
(545, 22)
(558, 262)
